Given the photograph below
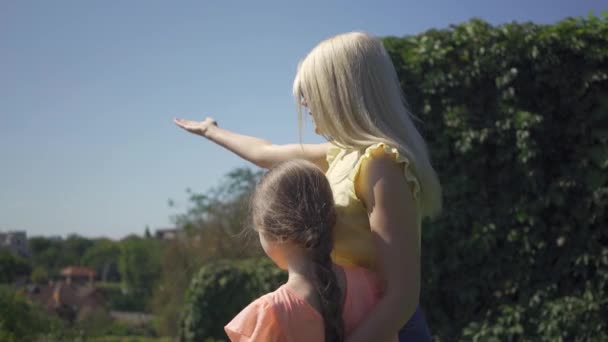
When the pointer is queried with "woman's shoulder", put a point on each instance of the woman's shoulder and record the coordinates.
(365, 154)
(381, 157)
(332, 152)
(383, 150)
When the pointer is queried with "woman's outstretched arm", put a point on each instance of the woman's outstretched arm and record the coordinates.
(258, 151)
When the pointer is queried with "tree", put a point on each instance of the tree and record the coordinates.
(39, 275)
(213, 223)
(12, 267)
(103, 256)
(140, 266)
(74, 247)
(46, 253)
(20, 321)
(53, 254)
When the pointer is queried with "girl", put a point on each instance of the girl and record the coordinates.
(377, 165)
(293, 213)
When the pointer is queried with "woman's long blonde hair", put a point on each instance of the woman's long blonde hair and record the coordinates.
(351, 87)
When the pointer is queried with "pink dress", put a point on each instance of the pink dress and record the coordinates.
(283, 316)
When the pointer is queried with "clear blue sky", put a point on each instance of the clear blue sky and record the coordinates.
(88, 90)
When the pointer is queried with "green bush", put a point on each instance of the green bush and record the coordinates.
(516, 117)
(21, 321)
(39, 275)
(220, 290)
(115, 299)
(12, 267)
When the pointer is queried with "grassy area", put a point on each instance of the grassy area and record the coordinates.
(129, 339)
(108, 285)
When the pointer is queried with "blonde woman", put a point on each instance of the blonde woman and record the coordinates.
(377, 165)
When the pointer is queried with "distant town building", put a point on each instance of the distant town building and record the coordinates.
(78, 275)
(169, 234)
(15, 242)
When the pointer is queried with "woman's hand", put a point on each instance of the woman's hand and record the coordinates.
(196, 127)
(258, 151)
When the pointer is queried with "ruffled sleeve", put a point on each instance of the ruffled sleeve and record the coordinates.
(382, 149)
(257, 322)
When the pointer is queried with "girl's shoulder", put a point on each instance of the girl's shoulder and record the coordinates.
(274, 317)
(257, 321)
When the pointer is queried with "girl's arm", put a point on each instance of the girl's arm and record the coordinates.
(260, 152)
(392, 214)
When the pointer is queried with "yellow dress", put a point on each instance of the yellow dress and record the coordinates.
(353, 244)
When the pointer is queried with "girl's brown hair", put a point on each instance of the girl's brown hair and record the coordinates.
(294, 203)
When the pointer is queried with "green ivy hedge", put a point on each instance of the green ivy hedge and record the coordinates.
(516, 117)
(220, 290)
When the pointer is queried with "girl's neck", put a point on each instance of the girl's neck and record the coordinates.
(301, 280)
(300, 269)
